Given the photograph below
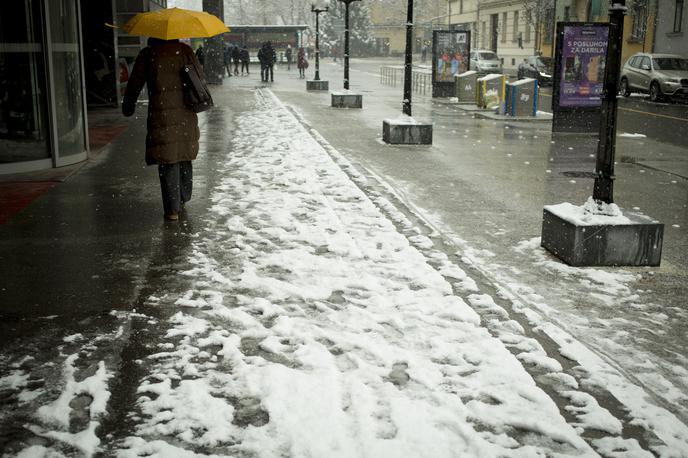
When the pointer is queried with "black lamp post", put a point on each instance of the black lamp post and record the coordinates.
(346, 41)
(603, 190)
(408, 60)
(317, 12)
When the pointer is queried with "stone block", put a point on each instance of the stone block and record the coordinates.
(347, 100)
(317, 85)
(404, 133)
(635, 243)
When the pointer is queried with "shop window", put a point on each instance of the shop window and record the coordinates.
(503, 28)
(639, 28)
(547, 26)
(678, 16)
(24, 130)
(515, 31)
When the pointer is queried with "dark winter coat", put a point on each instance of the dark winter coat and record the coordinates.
(172, 127)
(301, 61)
(236, 54)
(244, 55)
(267, 55)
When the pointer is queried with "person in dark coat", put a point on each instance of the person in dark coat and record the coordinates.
(236, 58)
(245, 59)
(227, 60)
(288, 56)
(302, 63)
(200, 55)
(172, 138)
(270, 57)
(262, 58)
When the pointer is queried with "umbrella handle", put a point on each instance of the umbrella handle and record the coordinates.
(112, 26)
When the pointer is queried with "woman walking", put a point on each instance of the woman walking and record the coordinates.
(302, 63)
(172, 138)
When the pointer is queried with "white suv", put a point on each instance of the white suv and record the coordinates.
(660, 75)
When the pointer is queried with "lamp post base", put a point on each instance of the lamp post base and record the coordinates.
(636, 241)
(404, 132)
(317, 85)
(347, 99)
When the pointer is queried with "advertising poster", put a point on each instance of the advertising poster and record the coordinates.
(581, 65)
(450, 56)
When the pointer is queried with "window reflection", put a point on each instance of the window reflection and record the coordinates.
(67, 77)
(23, 113)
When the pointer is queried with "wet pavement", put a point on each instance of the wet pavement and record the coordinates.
(83, 261)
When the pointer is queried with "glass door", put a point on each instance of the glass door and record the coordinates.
(65, 67)
(24, 127)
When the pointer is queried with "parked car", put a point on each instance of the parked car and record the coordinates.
(660, 75)
(485, 61)
(537, 67)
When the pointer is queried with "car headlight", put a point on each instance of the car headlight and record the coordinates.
(673, 80)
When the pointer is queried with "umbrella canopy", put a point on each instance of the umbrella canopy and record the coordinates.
(173, 23)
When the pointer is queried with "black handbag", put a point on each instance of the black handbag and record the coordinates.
(196, 94)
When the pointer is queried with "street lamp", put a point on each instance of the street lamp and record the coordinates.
(346, 41)
(408, 62)
(407, 131)
(317, 11)
(603, 189)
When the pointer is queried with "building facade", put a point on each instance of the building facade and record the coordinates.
(388, 21)
(671, 35)
(516, 29)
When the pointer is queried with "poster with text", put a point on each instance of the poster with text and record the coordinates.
(581, 65)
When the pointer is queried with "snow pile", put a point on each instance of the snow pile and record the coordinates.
(591, 213)
(405, 120)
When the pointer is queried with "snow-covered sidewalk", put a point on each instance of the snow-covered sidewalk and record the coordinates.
(311, 326)
(314, 328)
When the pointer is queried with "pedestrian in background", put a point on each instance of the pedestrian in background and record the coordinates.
(245, 58)
(172, 137)
(287, 54)
(227, 58)
(302, 63)
(270, 59)
(262, 59)
(200, 55)
(236, 58)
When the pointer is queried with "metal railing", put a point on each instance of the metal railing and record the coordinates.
(421, 79)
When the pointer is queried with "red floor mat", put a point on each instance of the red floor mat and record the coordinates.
(14, 197)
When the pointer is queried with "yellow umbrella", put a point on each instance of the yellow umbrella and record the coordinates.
(173, 23)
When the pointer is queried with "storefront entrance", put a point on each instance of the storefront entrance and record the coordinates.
(42, 105)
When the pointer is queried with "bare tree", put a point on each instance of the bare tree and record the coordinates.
(539, 14)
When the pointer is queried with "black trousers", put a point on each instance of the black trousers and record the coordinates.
(176, 184)
(244, 65)
(266, 71)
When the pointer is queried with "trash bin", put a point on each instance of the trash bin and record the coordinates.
(522, 97)
(466, 85)
(491, 92)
